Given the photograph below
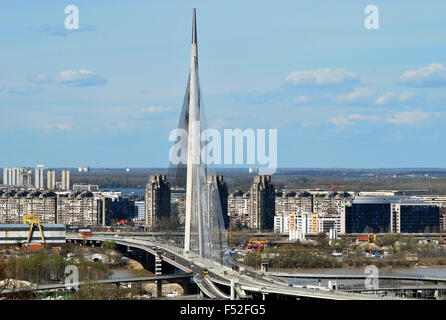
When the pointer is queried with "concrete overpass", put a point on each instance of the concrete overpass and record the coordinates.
(222, 282)
(401, 287)
(55, 286)
(352, 276)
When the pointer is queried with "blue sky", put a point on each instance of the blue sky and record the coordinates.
(109, 94)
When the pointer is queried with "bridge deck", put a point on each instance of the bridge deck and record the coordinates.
(53, 286)
(255, 281)
(351, 276)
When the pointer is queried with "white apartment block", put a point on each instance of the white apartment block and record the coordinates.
(51, 179)
(65, 180)
(239, 207)
(38, 177)
(17, 177)
(307, 223)
(64, 207)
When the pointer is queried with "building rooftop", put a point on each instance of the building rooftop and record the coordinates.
(387, 200)
(18, 226)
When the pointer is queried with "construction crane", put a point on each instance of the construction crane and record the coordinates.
(371, 239)
(32, 220)
(256, 244)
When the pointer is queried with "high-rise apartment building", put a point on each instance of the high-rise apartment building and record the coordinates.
(70, 208)
(65, 180)
(24, 178)
(177, 204)
(157, 199)
(17, 177)
(223, 194)
(51, 180)
(14, 205)
(262, 203)
(79, 209)
(5, 176)
(38, 177)
(239, 208)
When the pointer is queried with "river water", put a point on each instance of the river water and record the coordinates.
(128, 191)
(128, 273)
(135, 191)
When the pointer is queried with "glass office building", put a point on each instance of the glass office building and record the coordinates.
(367, 217)
(419, 218)
(390, 214)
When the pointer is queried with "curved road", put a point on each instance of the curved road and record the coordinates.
(254, 281)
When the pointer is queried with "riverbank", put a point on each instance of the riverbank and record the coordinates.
(135, 269)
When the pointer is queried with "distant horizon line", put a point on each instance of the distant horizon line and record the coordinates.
(240, 168)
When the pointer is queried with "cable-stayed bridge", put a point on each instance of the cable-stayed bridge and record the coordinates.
(204, 257)
(205, 250)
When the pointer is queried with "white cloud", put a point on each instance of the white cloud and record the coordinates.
(385, 98)
(339, 122)
(154, 113)
(433, 75)
(411, 117)
(81, 78)
(321, 77)
(392, 97)
(405, 96)
(63, 126)
(156, 109)
(301, 99)
(358, 95)
(405, 117)
(342, 121)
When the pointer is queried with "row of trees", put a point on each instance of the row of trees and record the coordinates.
(293, 258)
(319, 254)
(43, 266)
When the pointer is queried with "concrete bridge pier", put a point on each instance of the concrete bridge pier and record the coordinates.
(118, 286)
(185, 284)
(158, 272)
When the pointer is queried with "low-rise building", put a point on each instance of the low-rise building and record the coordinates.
(78, 187)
